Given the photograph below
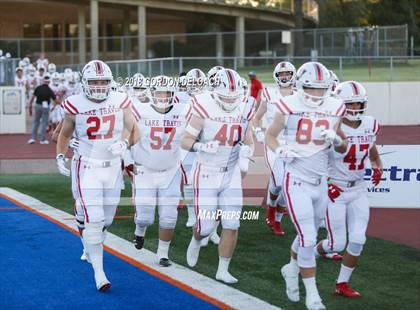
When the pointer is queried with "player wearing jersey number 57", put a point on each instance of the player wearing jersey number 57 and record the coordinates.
(157, 173)
(311, 121)
(349, 206)
(102, 121)
(219, 132)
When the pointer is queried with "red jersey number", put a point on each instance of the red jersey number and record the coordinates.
(304, 130)
(351, 157)
(156, 134)
(92, 131)
(235, 135)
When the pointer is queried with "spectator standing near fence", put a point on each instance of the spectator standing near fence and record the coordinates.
(43, 94)
(256, 85)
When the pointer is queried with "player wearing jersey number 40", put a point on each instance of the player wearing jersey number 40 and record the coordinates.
(102, 121)
(311, 120)
(219, 133)
(348, 206)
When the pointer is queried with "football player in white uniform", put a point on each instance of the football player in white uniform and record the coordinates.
(40, 74)
(157, 172)
(56, 113)
(349, 206)
(311, 121)
(102, 121)
(219, 132)
(52, 68)
(20, 80)
(32, 80)
(285, 75)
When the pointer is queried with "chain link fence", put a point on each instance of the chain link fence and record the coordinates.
(350, 42)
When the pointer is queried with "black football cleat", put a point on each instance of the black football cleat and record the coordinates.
(164, 262)
(139, 242)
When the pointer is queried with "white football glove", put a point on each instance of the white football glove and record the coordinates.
(210, 147)
(331, 137)
(61, 165)
(118, 148)
(74, 143)
(259, 134)
(245, 154)
(286, 153)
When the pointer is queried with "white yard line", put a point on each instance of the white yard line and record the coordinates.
(210, 287)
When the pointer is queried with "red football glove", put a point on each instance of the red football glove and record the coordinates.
(377, 176)
(334, 192)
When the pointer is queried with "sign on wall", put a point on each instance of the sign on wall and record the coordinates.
(400, 185)
(12, 101)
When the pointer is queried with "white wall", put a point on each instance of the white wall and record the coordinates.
(393, 103)
(396, 103)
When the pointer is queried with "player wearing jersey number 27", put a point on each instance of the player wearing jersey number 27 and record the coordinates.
(311, 121)
(102, 122)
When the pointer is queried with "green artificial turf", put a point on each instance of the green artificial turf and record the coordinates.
(388, 274)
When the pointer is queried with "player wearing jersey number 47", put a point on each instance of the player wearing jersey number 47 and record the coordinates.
(348, 206)
(311, 121)
(157, 173)
(285, 75)
(219, 132)
(102, 122)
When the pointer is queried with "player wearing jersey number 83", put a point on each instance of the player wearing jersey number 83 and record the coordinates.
(307, 117)
(102, 121)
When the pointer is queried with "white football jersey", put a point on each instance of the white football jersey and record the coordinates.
(160, 141)
(97, 125)
(70, 90)
(303, 125)
(350, 166)
(228, 128)
(271, 95)
(182, 97)
(20, 82)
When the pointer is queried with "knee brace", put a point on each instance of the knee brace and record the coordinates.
(93, 233)
(306, 257)
(354, 249)
(167, 223)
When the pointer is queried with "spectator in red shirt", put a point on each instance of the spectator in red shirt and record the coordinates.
(256, 85)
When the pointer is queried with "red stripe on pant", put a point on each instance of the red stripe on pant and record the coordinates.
(196, 194)
(184, 174)
(289, 204)
(330, 234)
(80, 190)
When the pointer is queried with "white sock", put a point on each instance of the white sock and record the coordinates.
(224, 263)
(310, 285)
(191, 213)
(196, 243)
(140, 230)
(293, 264)
(96, 253)
(279, 216)
(345, 274)
(163, 249)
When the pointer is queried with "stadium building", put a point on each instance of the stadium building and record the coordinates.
(73, 31)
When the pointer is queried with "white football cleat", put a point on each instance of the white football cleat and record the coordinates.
(193, 252)
(313, 302)
(291, 277)
(102, 283)
(226, 277)
(214, 237)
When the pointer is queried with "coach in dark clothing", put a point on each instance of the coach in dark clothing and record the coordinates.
(43, 94)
